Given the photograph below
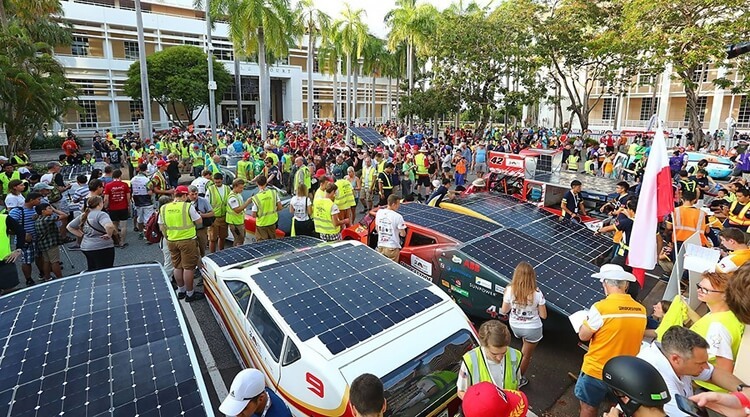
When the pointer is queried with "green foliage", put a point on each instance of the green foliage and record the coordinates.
(178, 75)
(33, 86)
(426, 105)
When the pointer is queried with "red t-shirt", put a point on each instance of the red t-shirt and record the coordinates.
(117, 192)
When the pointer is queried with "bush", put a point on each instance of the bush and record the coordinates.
(51, 141)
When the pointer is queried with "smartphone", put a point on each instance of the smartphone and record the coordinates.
(690, 407)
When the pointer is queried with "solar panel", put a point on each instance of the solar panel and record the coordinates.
(367, 134)
(457, 226)
(344, 295)
(102, 343)
(566, 284)
(72, 171)
(261, 249)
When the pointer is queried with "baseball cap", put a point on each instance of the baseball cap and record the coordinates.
(161, 163)
(181, 189)
(436, 183)
(320, 173)
(487, 400)
(246, 155)
(338, 173)
(247, 384)
(41, 186)
(612, 271)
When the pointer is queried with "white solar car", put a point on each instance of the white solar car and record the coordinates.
(313, 316)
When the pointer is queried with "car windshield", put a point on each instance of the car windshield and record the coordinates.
(429, 380)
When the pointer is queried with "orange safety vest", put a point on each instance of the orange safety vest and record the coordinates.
(688, 220)
(739, 218)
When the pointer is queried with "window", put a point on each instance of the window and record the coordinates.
(700, 75)
(224, 54)
(191, 42)
(701, 107)
(316, 95)
(744, 115)
(648, 107)
(418, 239)
(266, 328)
(136, 113)
(87, 114)
(131, 50)
(608, 108)
(645, 79)
(80, 46)
(87, 87)
(291, 353)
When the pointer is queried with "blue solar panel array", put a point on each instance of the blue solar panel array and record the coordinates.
(457, 226)
(260, 249)
(343, 295)
(106, 343)
(368, 135)
(566, 284)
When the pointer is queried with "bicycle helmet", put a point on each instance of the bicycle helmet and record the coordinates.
(636, 379)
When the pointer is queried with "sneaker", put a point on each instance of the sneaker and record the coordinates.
(522, 382)
(181, 295)
(194, 297)
(140, 236)
(30, 282)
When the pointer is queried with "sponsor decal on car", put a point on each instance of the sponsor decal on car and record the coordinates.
(460, 291)
(457, 260)
(483, 283)
(499, 289)
(421, 264)
(445, 283)
(415, 270)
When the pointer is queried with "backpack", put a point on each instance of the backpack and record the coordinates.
(152, 233)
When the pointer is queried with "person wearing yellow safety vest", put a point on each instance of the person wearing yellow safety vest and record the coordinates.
(326, 216)
(243, 167)
(8, 175)
(301, 174)
(198, 157)
(134, 156)
(423, 176)
(345, 196)
(213, 164)
(218, 194)
(493, 361)
(20, 158)
(266, 205)
(573, 159)
(323, 181)
(379, 162)
(177, 221)
(369, 183)
(385, 183)
(8, 257)
(235, 212)
(738, 213)
(733, 240)
(286, 167)
(686, 220)
(623, 228)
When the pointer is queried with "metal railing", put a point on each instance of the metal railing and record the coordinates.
(87, 129)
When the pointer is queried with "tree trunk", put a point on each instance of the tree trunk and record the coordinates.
(372, 121)
(238, 81)
(398, 99)
(265, 93)
(388, 100)
(336, 93)
(694, 122)
(355, 93)
(310, 89)
(410, 70)
(348, 94)
(3, 17)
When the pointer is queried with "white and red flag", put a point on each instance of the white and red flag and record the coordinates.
(655, 201)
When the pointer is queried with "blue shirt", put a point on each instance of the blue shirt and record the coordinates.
(25, 217)
(481, 155)
(278, 407)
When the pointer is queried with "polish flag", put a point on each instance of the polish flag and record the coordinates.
(655, 201)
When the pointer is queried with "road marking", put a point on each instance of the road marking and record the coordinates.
(208, 358)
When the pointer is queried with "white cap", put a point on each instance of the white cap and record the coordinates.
(612, 271)
(248, 384)
(436, 183)
(3, 158)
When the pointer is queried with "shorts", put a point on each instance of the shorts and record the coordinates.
(447, 170)
(238, 232)
(144, 213)
(28, 254)
(185, 253)
(218, 229)
(51, 255)
(264, 232)
(529, 335)
(390, 253)
(366, 195)
(120, 215)
(590, 390)
(423, 180)
(480, 167)
(202, 235)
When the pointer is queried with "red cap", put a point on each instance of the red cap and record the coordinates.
(181, 189)
(320, 173)
(487, 400)
(161, 163)
(246, 155)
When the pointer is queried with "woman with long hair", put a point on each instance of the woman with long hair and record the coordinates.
(301, 208)
(96, 230)
(527, 307)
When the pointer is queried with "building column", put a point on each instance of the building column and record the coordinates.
(717, 105)
(666, 86)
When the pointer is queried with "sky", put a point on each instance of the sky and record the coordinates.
(375, 9)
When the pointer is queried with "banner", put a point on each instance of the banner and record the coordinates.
(506, 163)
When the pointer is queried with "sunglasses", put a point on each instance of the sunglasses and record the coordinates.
(705, 290)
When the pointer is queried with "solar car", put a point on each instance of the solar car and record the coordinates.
(313, 316)
(110, 342)
(472, 259)
(718, 168)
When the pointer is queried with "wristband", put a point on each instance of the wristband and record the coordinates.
(744, 401)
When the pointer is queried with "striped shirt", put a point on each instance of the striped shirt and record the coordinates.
(25, 217)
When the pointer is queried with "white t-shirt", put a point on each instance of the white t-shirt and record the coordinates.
(47, 178)
(389, 224)
(300, 205)
(524, 316)
(12, 201)
(719, 341)
(200, 184)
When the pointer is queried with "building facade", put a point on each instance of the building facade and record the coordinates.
(665, 97)
(105, 44)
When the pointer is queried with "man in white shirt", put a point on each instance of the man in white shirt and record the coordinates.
(391, 227)
(681, 358)
(201, 182)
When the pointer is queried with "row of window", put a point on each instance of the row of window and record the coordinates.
(650, 105)
(87, 115)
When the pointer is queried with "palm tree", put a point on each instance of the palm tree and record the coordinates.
(375, 57)
(261, 27)
(410, 24)
(314, 23)
(329, 59)
(352, 34)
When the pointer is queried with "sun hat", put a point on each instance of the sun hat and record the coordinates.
(615, 272)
